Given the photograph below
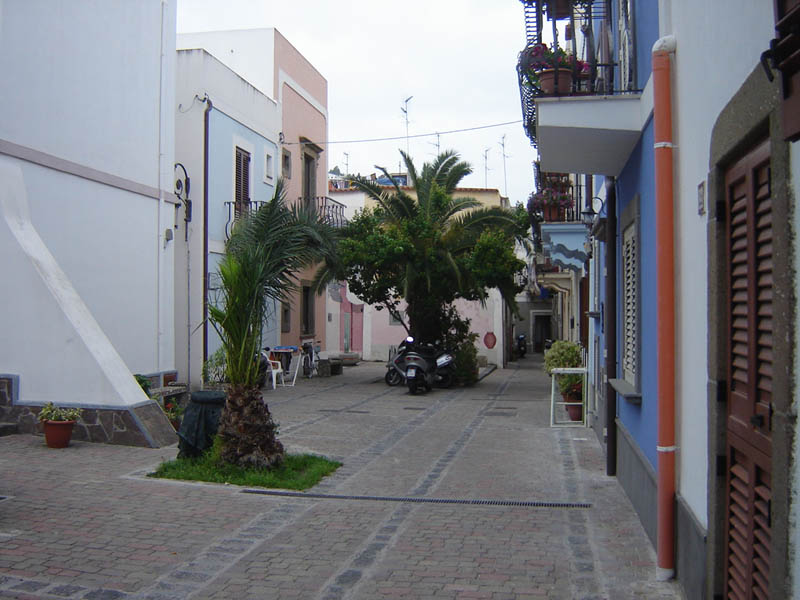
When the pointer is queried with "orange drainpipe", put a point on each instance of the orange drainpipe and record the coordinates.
(665, 261)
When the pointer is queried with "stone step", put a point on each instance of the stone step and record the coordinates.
(8, 429)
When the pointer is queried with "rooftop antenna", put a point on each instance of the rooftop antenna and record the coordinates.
(346, 163)
(436, 143)
(486, 168)
(405, 113)
(505, 156)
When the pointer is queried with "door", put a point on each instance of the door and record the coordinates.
(749, 364)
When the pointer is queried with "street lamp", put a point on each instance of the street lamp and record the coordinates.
(588, 214)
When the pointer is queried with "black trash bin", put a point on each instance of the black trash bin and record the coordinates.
(200, 423)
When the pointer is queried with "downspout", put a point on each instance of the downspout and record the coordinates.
(161, 247)
(665, 261)
(206, 115)
(610, 318)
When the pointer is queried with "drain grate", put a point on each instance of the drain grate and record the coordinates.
(413, 408)
(358, 412)
(421, 500)
(3, 498)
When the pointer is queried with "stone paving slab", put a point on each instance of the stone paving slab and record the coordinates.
(85, 522)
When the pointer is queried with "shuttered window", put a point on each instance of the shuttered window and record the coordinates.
(750, 372)
(241, 199)
(787, 59)
(630, 304)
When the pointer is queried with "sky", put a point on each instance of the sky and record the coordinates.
(456, 59)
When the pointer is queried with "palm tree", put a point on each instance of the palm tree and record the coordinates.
(442, 230)
(266, 250)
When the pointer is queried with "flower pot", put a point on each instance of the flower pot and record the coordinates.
(552, 213)
(57, 434)
(547, 82)
(574, 411)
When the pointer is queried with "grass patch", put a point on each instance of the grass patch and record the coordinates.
(298, 472)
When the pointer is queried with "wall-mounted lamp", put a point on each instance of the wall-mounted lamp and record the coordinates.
(182, 187)
(588, 214)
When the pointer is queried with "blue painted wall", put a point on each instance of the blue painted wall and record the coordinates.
(221, 140)
(638, 177)
(645, 22)
(224, 132)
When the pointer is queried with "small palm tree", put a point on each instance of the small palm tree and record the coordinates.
(265, 251)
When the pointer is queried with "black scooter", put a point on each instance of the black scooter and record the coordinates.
(522, 345)
(397, 368)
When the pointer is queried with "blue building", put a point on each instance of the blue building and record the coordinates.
(227, 147)
(677, 121)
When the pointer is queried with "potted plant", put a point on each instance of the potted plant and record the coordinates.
(539, 63)
(174, 412)
(58, 424)
(564, 354)
(551, 201)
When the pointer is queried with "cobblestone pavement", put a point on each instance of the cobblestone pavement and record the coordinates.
(398, 520)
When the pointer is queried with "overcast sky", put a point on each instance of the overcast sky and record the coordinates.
(457, 59)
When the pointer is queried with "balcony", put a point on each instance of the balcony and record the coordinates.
(580, 107)
(238, 209)
(331, 211)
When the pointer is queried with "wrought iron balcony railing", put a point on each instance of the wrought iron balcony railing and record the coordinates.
(581, 64)
(236, 210)
(331, 211)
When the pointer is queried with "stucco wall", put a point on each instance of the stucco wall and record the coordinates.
(241, 116)
(103, 112)
(728, 60)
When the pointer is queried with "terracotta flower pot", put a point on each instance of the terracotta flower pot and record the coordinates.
(574, 411)
(547, 82)
(57, 434)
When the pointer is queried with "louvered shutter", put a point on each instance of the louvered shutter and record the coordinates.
(787, 59)
(242, 182)
(630, 308)
(750, 358)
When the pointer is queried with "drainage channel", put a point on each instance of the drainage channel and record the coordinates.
(422, 500)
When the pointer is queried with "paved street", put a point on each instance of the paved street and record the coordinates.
(393, 522)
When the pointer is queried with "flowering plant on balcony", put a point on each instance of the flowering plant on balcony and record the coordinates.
(550, 197)
(538, 57)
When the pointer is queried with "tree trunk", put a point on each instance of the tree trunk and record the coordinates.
(247, 430)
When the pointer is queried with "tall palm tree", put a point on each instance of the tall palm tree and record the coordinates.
(442, 230)
(265, 252)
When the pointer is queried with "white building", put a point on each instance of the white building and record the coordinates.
(86, 211)
(227, 147)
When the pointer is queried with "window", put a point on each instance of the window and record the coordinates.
(630, 304)
(784, 55)
(286, 317)
(241, 192)
(394, 320)
(307, 325)
(628, 384)
(309, 177)
(268, 167)
(286, 164)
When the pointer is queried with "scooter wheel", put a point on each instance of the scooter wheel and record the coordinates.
(412, 387)
(445, 379)
(393, 377)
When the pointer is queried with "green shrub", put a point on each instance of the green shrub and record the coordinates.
(564, 354)
(214, 368)
(466, 361)
(144, 382)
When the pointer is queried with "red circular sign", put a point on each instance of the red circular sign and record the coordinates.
(489, 340)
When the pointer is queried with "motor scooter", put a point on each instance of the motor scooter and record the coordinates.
(522, 345)
(444, 374)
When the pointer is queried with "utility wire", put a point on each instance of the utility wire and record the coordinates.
(402, 137)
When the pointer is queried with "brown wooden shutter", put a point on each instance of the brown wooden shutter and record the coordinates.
(242, 183)
(786, 55)
(750, 359)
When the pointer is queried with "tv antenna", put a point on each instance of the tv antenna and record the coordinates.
(405, 114)
(505, 156)
(486, 167)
